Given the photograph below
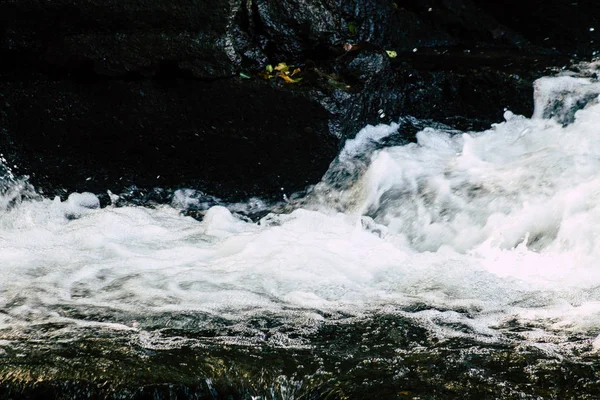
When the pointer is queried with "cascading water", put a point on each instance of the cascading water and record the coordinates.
(458, 246)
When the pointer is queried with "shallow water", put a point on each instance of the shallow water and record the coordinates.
(475, 249)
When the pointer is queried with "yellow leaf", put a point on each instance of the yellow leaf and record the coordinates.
(281, 67)
(296, 71)
(391, 53)
(288, 79)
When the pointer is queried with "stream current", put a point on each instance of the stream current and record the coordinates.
(465, 263)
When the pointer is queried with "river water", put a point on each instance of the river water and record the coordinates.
(462, 264)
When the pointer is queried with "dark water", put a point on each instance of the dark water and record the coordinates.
(381, 356)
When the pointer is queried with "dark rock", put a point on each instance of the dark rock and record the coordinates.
(116, 38)
(234, 138)
(99, 95)
(565, 27)
(464, 90)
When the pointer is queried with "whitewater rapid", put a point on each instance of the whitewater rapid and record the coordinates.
(477, 228)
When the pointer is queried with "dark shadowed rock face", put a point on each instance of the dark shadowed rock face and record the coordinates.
(224, 137)
(568, 27)
(98, 95)
(116, 38)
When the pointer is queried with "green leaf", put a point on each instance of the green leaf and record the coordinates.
(391, 53)
(244, 75)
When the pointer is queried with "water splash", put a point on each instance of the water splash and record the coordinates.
(466, 233)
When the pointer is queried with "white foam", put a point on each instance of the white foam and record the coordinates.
(560, 97)
(355, 147)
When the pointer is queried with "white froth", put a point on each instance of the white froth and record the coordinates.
(558, 97)
(356, 146)
(489, 226)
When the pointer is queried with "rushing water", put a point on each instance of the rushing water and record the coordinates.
(479, 250)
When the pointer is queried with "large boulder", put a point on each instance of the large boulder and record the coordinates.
(98, 95)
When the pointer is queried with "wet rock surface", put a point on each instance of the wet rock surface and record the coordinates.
(104, 95)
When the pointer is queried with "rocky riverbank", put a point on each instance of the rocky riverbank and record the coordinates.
(103, 95)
